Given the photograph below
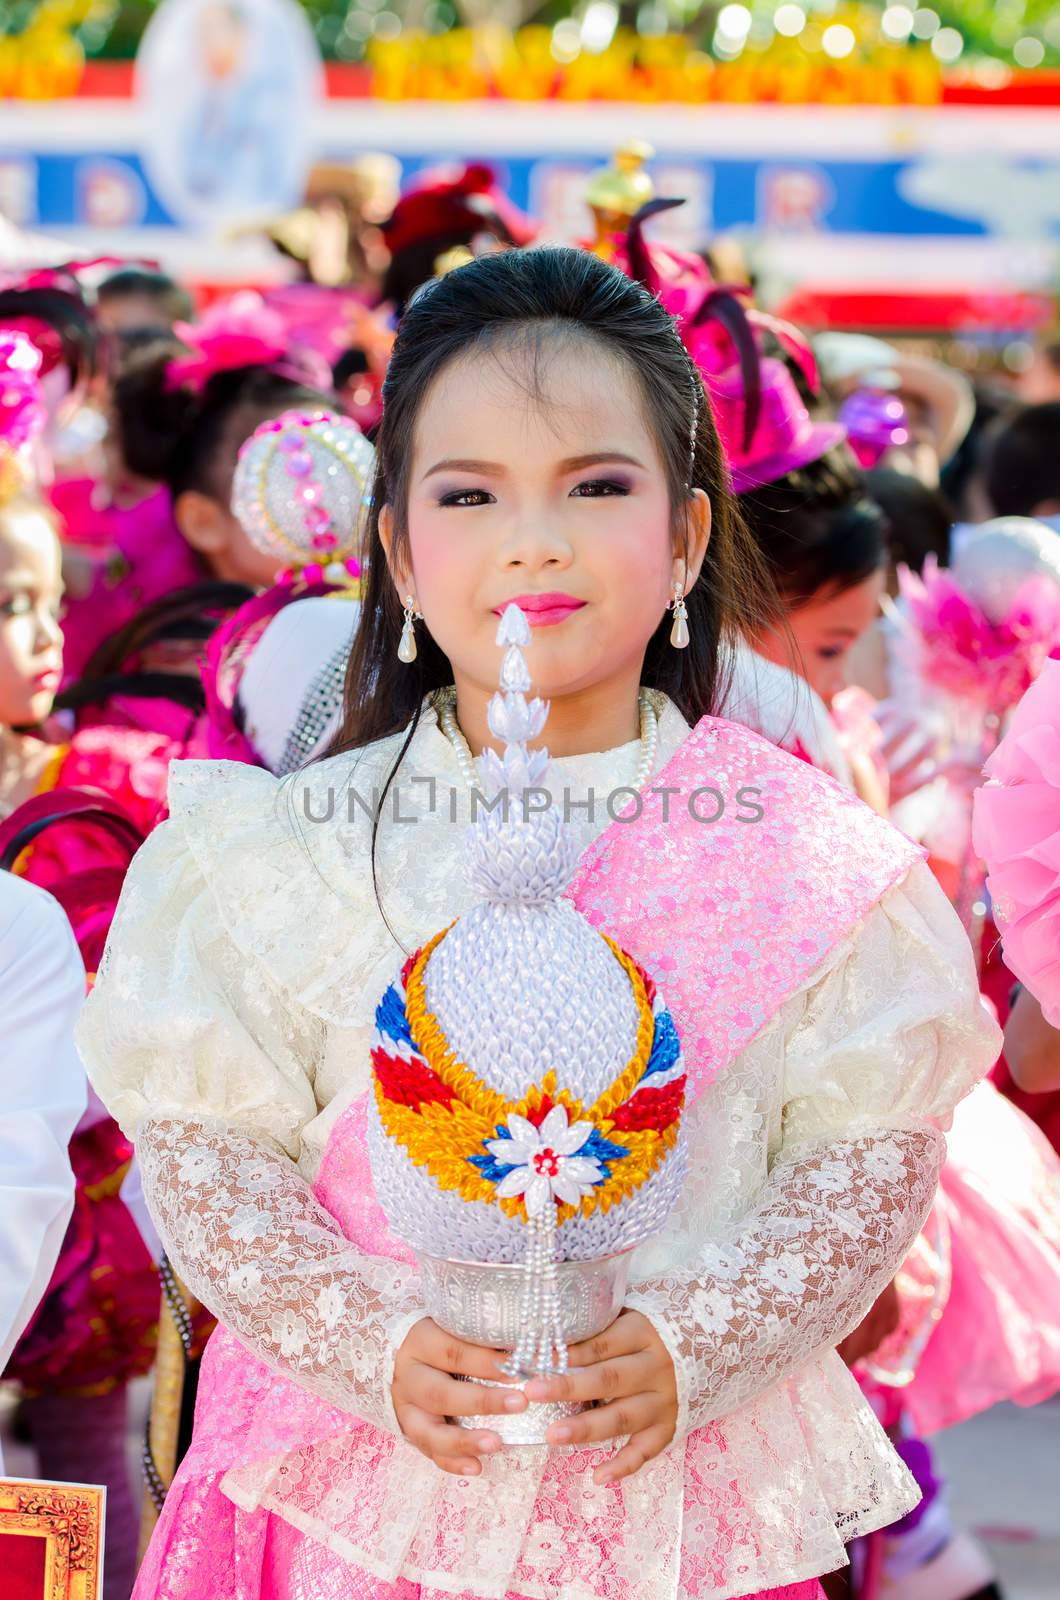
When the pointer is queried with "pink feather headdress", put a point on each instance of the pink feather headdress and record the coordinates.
(962, 652)
(241, 331)
(765, 428)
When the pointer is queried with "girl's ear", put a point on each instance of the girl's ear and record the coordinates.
(688, 559)
(399, 575)
(205, 524)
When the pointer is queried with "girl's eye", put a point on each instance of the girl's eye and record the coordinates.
(466, 497)
(831, 652)
(16, 605)
(595, 487)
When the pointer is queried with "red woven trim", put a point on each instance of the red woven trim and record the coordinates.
(409, 1083)
(654, 1109)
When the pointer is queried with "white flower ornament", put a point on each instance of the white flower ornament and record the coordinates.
(545, 1162)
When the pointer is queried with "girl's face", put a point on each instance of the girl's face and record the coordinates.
(825, 630)
(561, 505)
(31, 646)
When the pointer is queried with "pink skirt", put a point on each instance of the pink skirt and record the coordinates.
(204, 1545)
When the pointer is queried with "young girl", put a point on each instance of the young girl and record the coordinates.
(546, 440)
(181, 407)
(825, 543)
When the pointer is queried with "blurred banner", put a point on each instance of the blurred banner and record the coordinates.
(943, 179)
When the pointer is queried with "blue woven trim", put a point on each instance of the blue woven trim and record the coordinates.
(390, 1016)
(665, 1046)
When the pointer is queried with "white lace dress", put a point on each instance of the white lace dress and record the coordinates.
(229, 1029)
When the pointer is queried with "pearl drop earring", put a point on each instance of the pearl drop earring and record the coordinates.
(407, 643)
(679, 631)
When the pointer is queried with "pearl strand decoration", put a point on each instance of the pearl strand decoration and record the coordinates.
(541, 1349)
(649, 740)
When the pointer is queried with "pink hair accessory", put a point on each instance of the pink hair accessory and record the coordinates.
(765, 428)
(966, 655)
(241, 331)
(45, 339)
(23, 416)
(876, 421)
(784, 436)
(300, 490)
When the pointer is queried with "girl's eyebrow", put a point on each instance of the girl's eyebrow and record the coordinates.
(572, 463)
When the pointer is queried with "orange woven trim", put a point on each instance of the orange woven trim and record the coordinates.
(440, 1139)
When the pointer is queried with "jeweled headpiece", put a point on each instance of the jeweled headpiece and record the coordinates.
(528, 1079)
(300, 491)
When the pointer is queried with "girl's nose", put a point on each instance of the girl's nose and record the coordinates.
(534, 542)
(49, 633)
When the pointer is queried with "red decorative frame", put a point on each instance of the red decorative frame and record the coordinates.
(51, 1540)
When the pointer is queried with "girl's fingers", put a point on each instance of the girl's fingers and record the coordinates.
(469, 1467)
(444, 1441)
(636, 1453)
(429, 1344)
(622, 1375)
(626, 1335)
(616, 1421)
(442, 1396)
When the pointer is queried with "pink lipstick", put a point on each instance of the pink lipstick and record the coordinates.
(542, 610)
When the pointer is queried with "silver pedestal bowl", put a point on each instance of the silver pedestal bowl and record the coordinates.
(480, 1301)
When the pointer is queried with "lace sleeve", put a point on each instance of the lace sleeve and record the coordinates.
(252, 1242)
(804, 1268)
(876, 1054)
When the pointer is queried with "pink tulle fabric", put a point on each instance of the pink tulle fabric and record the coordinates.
(991, 1330)
(794, 886)
(23, 414)
(1016, 831)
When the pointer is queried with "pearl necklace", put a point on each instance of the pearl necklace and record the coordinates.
(649, 739)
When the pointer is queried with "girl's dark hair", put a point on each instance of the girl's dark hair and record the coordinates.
(918, 518)
(63, 309)
(533, 297)
(187, 439)
(1023, 461)
(817, 528)
(172, 299)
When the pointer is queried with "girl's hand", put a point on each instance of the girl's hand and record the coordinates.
(629, 1371)
(878, 1324)
(425, 1393)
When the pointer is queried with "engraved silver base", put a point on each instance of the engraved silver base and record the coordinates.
(480, 1301)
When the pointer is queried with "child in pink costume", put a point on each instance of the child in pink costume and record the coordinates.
(181, 408)
(822, 990)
